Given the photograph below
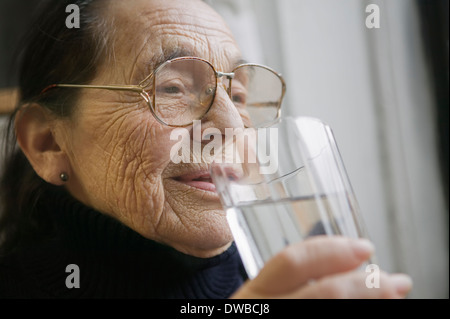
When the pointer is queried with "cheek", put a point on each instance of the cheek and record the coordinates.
(119, 165)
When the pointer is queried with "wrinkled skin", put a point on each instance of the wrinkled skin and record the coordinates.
(119, 153)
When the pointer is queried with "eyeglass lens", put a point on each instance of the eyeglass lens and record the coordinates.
(184, 90)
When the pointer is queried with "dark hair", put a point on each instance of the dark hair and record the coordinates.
(50, 53)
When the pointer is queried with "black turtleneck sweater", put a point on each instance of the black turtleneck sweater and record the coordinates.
(113, 262)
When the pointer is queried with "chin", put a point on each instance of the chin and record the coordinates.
(208, 252)
(208, 243)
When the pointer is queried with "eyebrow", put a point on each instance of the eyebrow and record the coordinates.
(169, 54)
(178, 52)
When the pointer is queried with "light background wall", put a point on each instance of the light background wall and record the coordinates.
(373, 88)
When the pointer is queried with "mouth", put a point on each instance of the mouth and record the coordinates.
(200, 180)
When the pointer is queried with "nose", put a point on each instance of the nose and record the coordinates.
(221, 119)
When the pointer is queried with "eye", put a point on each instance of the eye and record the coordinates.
(171, 89)
(238, 94)
(239, 99)
(236, 98)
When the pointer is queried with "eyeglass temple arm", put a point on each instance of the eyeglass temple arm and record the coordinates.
(263, 104)
(133, 88)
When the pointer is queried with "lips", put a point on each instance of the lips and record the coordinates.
(200, 179)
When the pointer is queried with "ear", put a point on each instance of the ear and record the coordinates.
(36, 138)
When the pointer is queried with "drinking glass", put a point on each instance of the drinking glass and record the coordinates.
(282, 184)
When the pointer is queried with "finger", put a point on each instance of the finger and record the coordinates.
(353, 286)
(314, 258)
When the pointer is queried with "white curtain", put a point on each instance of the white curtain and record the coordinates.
(372, 87)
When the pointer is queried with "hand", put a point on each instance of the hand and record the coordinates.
(321, 267)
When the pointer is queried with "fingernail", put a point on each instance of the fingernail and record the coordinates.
(363, 248)
(403, 283)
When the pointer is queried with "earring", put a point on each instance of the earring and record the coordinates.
(64, 177)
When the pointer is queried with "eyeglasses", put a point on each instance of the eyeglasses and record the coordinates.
(183, 89)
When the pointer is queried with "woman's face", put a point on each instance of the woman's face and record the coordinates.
(119, 153)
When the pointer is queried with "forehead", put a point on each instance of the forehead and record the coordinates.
(156, 30)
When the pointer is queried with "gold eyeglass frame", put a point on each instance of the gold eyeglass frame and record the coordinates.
(140, 88)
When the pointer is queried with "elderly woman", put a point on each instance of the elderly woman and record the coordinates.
(91, 187)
